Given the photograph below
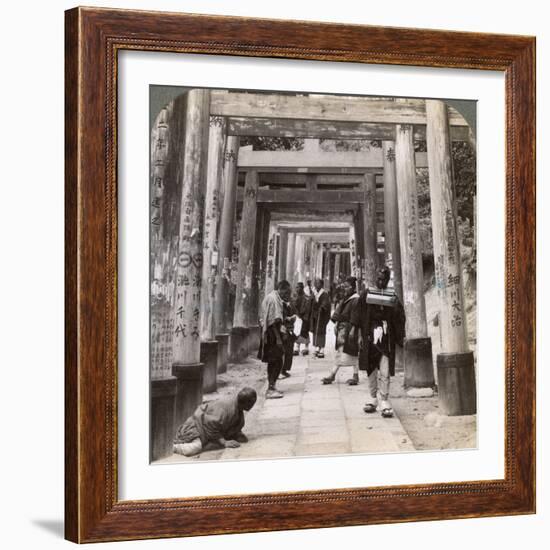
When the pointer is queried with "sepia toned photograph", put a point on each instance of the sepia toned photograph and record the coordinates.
(313, 269)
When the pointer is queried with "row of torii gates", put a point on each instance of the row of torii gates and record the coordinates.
(222, 214)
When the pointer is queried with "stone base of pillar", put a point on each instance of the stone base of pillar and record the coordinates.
(254, 335)
(399, 359)
(163, 407)
(238, 344)
(209, 357)
(418, 363)
(223, 352)
(456, 383)
(188, 390)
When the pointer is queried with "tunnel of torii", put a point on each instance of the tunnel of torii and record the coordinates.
(226, 215)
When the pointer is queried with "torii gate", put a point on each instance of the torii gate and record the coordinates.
(212, 124)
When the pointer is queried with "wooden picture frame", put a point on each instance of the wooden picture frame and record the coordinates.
(93, 510)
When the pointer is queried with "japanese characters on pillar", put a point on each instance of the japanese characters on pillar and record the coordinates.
(241, 317)
(222, 319)
(216, 150)
(411, 255)
(291, 256)
(282, 253)
(189, 260)
(369, 227)
(448, 270)
(162, 295)
(352, 252)
(391, 217)
(271, 255)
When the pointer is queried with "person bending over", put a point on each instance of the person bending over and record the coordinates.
(219, 422)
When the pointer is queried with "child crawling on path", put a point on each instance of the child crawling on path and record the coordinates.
(220, 421)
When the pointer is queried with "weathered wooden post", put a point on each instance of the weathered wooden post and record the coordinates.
(283, 247)
(308, 260)
(228, 199)
(209, 344)
(186, 366)
(391, 230)
(337, 258)
(418, 346)
(258, 259)
(369, 228)
(291, 257)
(326, 266)
(352, 252)
(241, 318)
(455, 364)
(391, 217)
(319, 261)
(270, 261)
(163, 384)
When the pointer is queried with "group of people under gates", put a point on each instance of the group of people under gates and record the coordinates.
(367, 325)
(279, 343)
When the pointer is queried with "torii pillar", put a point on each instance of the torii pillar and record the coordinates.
(418, 346)
(354, 271)
(282, 252)
(455, 364)
(291, 257)
(228, 199)
(186, 365)
(163, 384)
(209, 344)
(241, 317)
(369, 229)
(319, 261)
(391, 229)
(326, 266)
(270, 259)
(258, 259)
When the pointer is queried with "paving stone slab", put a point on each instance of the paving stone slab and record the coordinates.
(326, 449)
(373, 442)
(308, 436)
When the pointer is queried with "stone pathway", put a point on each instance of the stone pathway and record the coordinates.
(313, 419)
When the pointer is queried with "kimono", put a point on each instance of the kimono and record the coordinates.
(302, 307)
(382, 327)
(346, 340)
(271, 343)
(212, 421)
(320, 317)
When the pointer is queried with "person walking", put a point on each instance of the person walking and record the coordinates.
(347, 348)
(302, 308)
(381, 319)
(320, 317)
(272, 342)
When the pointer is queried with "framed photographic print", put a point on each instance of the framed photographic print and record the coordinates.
(300, 275)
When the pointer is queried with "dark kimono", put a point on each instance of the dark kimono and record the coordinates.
(390, 318)
(345, 311)
(302, 307)
(212, 421)
(288, 337)
(320, 318)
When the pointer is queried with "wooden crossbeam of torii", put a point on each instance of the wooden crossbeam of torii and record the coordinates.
(268, 160)
(297, 196)
(326, 129)
(314, 107)
(316, 231)
(300, 179)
